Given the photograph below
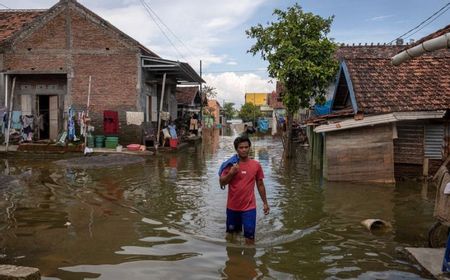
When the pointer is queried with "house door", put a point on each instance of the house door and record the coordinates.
(47, 109)
(53, 116)
(152, 110)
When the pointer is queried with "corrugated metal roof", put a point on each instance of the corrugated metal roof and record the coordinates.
(379, 119)
(181, 71)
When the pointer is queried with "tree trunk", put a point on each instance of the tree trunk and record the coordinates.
(289, 144)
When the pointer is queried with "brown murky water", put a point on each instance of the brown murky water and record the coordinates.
(165, 218)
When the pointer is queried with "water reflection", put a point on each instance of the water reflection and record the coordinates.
(241, 264)
(166, 219)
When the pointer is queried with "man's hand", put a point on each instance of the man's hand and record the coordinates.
(266, 209)
(234, 169)
(225, 180)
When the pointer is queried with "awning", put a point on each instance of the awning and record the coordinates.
(182, 72)
(379, 119)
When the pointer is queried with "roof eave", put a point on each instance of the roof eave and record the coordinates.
(380, 119)
(182, 71)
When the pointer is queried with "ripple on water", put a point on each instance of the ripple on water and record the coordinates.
(178, 230)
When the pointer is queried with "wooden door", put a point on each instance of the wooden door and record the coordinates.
(26, 104)
(53, 117)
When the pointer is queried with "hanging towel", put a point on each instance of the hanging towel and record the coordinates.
(15, 120)
(2, 118)
(232, 160)
(110, 122)
(136, 118)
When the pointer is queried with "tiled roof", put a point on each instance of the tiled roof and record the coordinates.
(12, 21)
(323, 118)
(275, 100)
(421, 84)
(186, 95)
(436, 34)
(364, 52)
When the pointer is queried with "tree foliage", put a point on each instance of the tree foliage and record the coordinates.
(228, 109)
(249, 112)
(209, 91)
(299, 53)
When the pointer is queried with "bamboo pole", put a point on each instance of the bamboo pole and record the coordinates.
(160, 109)
(87, 114)
(10, 109)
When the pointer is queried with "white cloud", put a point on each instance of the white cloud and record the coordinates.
(232, 87)
(380, 18)
(199, 25)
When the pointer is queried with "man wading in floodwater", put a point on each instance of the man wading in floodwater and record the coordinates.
(240, 173)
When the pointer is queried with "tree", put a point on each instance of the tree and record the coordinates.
(300, 56)
(209, 92)
(228, 110)
(249, 112)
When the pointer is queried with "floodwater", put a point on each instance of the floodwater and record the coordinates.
(165, 219)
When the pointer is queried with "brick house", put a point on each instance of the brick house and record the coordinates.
(276, 100)
(189, 100)
(386, 121)
(212, 114)
(49, 56)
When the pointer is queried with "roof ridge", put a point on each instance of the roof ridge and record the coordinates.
(22, 10)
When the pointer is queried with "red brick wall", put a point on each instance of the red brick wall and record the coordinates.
(88, 35)
(50, 36)
(114, 70)
(113, 80)
(35, 61)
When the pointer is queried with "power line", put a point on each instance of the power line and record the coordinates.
(425, 25)
(5, 6)
(171, 32)
(420, 24)
(243, 71)
(160, 28)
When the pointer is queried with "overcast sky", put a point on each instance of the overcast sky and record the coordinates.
(214, 31)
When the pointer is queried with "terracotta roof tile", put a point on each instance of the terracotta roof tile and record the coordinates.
(186, 95)
(275, 98)
(422, 84)
(12, 21)
(436, 34)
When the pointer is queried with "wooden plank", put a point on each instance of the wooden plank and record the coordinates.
(364, 154)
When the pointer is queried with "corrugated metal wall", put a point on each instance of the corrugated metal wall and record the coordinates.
(434, 141)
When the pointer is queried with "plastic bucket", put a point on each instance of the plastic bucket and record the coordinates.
(173, 143)
(99, 141)
(90, 141)
(111, 142)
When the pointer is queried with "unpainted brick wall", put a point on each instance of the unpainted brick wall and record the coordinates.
(93, 50)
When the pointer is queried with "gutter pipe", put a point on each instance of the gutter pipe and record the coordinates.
(437, 43)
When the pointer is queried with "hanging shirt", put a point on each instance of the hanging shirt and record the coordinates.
(172, 131)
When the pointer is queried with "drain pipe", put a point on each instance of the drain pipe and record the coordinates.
(437, 43)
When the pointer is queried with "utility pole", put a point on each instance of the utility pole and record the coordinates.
(200, 114)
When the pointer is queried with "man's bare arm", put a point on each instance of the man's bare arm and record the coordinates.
(262, 193)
